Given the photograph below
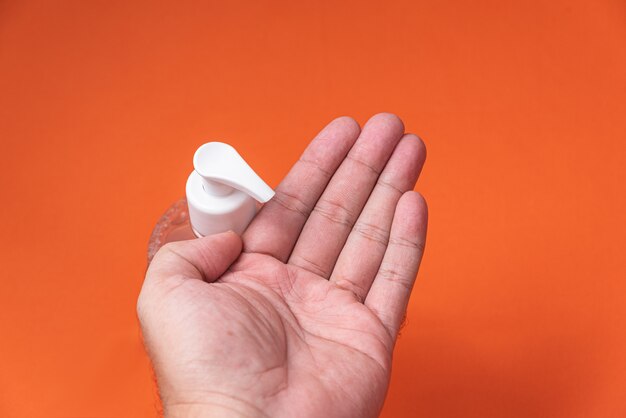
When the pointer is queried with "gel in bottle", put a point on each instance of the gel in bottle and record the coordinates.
(222, 194)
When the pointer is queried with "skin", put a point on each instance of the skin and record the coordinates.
(299, 316)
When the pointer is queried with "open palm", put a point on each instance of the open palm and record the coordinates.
(298, 318)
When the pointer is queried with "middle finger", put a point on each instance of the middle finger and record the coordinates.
(335, 213)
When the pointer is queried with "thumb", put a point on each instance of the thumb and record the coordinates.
(205, 258)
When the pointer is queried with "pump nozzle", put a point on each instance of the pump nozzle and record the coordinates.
(222, 168)
(214, 204)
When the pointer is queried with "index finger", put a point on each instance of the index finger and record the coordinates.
(276, 227)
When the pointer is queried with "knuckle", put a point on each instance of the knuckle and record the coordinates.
(362, 162)
(309, 265)
(412, 244)
(393, 274)
(292, 203)
(316, 162)
(358, 291)
(387, 184)
(170, 248)
(336, 212)
(372, 232)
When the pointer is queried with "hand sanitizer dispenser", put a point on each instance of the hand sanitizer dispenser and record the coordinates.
(223, 193)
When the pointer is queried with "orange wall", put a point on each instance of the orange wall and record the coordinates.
(519, 308)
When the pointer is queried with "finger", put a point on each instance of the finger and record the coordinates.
(389, 295)
(330, 222)
(360, 258)
(205, 259)
(276, 227)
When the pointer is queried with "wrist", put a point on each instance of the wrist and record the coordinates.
(213, 405)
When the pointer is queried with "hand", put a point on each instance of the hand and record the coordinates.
(299, 317)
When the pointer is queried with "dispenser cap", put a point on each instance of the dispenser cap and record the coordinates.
(221, 168)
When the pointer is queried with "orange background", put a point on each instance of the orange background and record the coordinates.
(519, 310)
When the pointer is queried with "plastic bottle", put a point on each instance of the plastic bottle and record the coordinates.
(222, 194)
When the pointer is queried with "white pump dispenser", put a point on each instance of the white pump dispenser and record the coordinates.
(222, 189)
